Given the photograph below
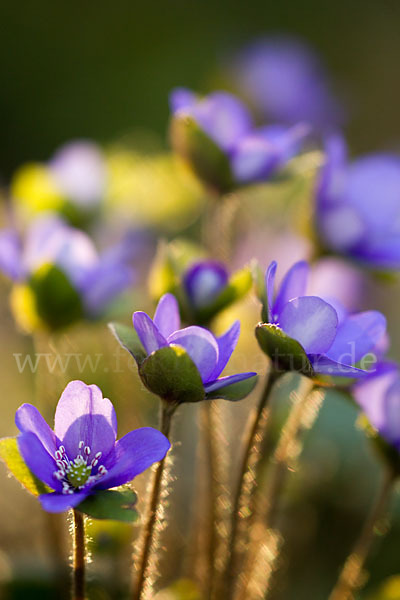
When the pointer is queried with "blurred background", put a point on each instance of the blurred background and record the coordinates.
(103, 71)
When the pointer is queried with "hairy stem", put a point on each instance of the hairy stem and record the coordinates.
(349, 578)
(263, 539)
(166, 416)
(79, 552)
(249, 462)
(212, 495)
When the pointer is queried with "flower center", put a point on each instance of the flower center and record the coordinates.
(75, 474)
(78, 472)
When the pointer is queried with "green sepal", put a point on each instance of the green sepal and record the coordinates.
(285, 353)
(57, 302)
(129, 340)
(12, 458)
(234, 391)
(237, 287)
(206, 159)
(171, 374)
(117, 505)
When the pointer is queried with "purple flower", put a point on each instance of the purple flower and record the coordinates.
(254, 154)
(357, 211)
(79, 171)
(336, 280)
(81, 455)
(379, 397)
(98, 278)
(210, 354)
(286, 82)
(204, 281)
(333, 339)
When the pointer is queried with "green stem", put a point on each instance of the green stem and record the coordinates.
(212, 496)
(79, 552)
(166, 416)
(246, 464)
(349, 578)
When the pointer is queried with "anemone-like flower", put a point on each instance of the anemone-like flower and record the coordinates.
(210, 354)
(286, 82)
(357, 211)
(82, 456)
(379, 397)
(95, 279)
(333, 340)
(254, 154)
(204, 281)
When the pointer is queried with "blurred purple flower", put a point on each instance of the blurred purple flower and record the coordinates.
(98, 278)
(379, 397)
(335, 280)
(333, 339)
(82, 455)
(286, 82)
(79, 170)
(210, 354)
(254, 154)
(204, 281)
(357, 210)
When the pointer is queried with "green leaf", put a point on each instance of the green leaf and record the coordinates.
(237, 287)
(205, 158)
(128, 338)
(285, 353)
(58, 303)
(171, 374)
(11, 456)
(235, 391)
(117, 505)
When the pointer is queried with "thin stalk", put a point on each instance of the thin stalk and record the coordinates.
(301, 416)
(217, 238)
(166, 416)
(206, 417)
(349, 579)
(79, 552)
(246, 464)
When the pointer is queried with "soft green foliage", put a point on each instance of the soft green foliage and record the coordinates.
(11, 456)
(235, 391)
(206, 159)
(285, 353)
(117, 505)
(129, 340)
(171, 374)
(58, 303)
